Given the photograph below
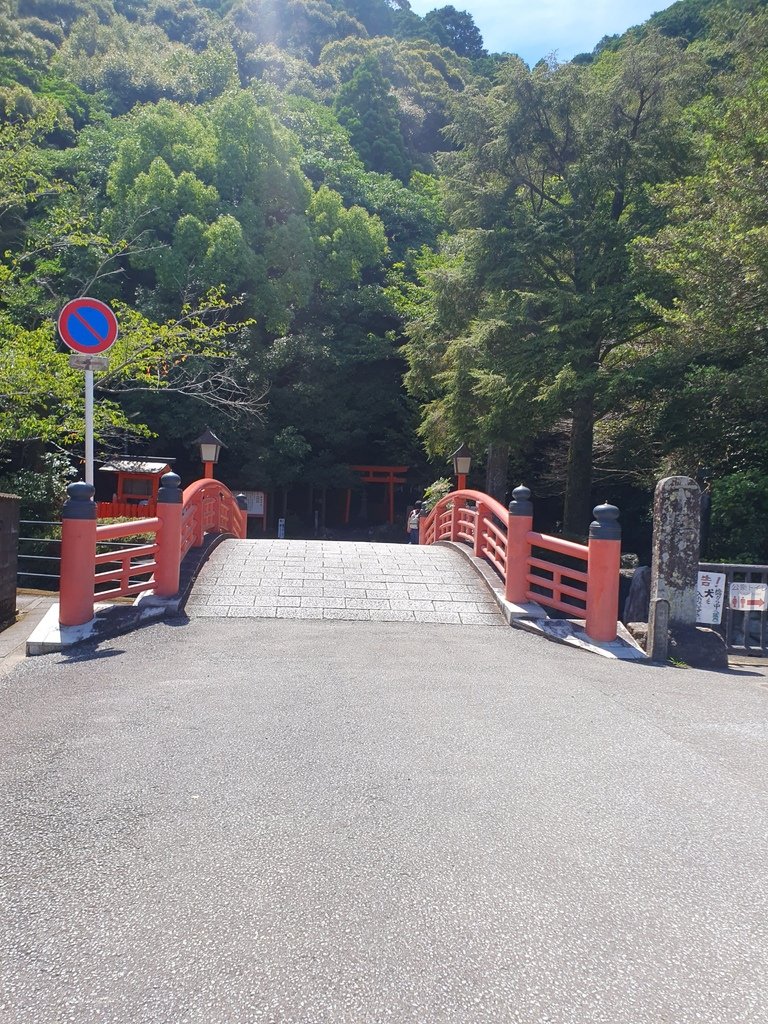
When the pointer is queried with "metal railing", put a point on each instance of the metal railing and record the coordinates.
(742, 631)
(39, 556)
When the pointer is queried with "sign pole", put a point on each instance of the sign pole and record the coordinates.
(89, 426)
(88, 327)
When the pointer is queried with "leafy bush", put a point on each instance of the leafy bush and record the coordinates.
(739, 529)
(42, 490)
(437, 490)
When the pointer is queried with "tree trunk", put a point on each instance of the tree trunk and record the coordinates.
(496, 470)
(577, 514)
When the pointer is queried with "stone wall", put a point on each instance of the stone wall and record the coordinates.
(9, 553)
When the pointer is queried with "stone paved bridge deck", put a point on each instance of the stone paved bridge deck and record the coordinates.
(331, 580)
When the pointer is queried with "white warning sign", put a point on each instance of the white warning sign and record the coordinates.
(710, 592)
(748, 597)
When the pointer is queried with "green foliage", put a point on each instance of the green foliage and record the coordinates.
(457, 30)
(129, 64)
(710, 360)
(41, 485)
(424, 80)
(412, 216)
(301, 27)
(366, 109)
(436, 491)
(520, 326)
(740, 517)
(582, 251)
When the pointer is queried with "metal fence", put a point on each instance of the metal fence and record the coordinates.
(39, 555)
(744, 632)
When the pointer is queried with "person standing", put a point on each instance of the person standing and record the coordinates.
(413, 523)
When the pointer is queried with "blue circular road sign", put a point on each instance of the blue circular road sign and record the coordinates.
(87, 325)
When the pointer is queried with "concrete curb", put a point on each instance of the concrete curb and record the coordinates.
(112, 620)
(30, 610)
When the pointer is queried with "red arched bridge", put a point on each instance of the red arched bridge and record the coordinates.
(476, 560)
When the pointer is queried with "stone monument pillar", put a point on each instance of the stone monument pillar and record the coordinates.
(674, 574)
(675, 560)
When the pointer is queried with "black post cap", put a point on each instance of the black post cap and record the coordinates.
(170, 493)
(79, 503)
(522, 504)
(606, 524)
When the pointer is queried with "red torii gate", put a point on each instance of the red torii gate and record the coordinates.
(389, 475)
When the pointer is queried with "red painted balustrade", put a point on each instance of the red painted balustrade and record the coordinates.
(144, 509)
(209, 507)
(579, 580)
(181, 523)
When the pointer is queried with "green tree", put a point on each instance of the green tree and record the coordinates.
(366, 108)
(709, 366)
(129, 63)
(457, 30)
(550, 187)
(49, 236)
(412, 216)
(301, 27)
(423, 79)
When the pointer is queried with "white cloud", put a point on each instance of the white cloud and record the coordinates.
(535, 28)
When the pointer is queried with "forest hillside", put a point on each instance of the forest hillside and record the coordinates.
(337, 233)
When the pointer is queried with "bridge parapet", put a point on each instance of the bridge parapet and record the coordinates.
(182, 520)
(579, 580)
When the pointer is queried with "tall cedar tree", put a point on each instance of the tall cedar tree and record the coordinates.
(366, 108)
(550, 184)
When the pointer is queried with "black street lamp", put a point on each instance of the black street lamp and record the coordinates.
(462, 460)
(210, 448)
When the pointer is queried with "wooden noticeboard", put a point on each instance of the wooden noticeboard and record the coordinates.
(256, 504)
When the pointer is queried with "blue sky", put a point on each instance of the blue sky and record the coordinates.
(536, 28)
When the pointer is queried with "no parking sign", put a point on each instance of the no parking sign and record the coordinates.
(87, 325)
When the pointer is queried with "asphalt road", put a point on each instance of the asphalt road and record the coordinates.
(301, 822)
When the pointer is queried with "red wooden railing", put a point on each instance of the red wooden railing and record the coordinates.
(144, 509)
(181, 523)
(209, 507)
(129, 578)
(579, 580)
(554, 580)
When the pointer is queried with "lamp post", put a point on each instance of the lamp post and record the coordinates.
(210, 447)
(462, 460)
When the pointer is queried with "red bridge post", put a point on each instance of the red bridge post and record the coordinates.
(519, 526)
(78, 556)
(458, 505)
(603, 574)
(482, 515)
(169, 511)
